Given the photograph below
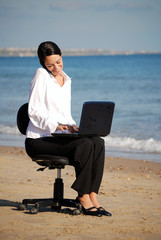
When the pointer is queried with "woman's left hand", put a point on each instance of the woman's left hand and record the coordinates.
(73, 128)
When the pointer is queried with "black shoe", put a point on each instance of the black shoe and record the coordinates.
(104, 212)
(88, 211)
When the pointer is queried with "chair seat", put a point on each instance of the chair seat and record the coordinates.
(50, 160)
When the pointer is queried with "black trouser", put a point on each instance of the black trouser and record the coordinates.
(85, 154)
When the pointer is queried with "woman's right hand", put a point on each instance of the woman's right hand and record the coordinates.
(62, 127)
(69, 128)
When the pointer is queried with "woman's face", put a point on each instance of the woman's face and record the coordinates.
(54, 64)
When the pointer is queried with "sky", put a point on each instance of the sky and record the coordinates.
(132, 25)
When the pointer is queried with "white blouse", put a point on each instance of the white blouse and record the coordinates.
(49, 104)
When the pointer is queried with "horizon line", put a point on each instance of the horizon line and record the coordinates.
(17, 51)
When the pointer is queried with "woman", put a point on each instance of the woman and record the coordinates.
(50, 111)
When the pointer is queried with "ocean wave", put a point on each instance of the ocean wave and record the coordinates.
(127, 143)
(13, 130)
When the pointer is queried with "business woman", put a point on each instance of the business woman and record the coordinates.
(50, 111)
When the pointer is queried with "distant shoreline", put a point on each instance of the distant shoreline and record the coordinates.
(32, 52)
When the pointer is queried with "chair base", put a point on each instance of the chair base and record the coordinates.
(55, 203)
(51, 202)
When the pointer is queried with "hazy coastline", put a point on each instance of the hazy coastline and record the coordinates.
(31, 52)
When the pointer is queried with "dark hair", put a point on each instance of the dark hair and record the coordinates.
(46, 49)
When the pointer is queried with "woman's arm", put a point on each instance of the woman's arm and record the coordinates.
(38, 112)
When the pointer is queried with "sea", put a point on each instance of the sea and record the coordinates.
(133, 82)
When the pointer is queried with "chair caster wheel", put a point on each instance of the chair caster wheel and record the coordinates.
(21, 207)
(79, 207)
(76, 212)
(34, 210)
(66, 211)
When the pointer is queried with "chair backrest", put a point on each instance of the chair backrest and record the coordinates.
(23, 118)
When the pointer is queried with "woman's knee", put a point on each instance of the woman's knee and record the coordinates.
(97, 141)
(84, 149)
(87, 144)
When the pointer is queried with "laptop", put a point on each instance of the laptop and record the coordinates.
(96, 120)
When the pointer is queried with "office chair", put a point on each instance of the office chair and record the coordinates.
(50, 162)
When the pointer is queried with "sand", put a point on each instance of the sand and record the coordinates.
(130, 190)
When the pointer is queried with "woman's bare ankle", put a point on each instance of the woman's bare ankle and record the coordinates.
(93, 198)
(86, 201)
